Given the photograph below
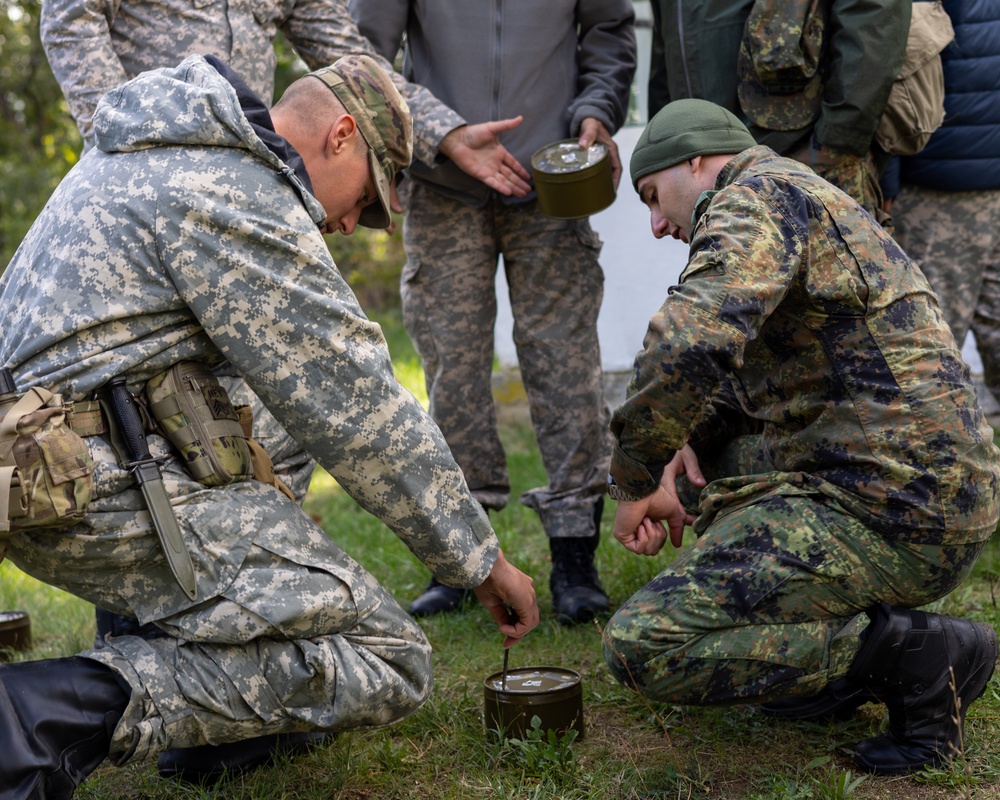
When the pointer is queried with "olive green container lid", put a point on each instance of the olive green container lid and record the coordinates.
(572, 182)
(553, 694)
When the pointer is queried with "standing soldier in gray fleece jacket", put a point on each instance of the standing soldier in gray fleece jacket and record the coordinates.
(565, 67)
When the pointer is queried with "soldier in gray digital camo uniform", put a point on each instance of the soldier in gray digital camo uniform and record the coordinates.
(567, 70)
(802, 366)
(94, 45)
(193, 232)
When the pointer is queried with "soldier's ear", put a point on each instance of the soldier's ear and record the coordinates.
(343, 134)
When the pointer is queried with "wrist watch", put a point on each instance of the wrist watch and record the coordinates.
(615, 492)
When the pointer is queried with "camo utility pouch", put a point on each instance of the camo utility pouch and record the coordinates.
(195, 414)
(46, 472)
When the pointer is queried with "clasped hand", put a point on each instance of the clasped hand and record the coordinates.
(639, 525)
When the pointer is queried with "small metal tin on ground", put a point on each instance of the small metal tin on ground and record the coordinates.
(15, 632)
(553, 694)
(571, 182)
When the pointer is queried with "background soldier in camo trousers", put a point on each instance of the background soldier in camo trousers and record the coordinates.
(802, 377)
(949, 202)
(568, 72)
(137, 264)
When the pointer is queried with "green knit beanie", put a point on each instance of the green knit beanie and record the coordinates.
(684, 129)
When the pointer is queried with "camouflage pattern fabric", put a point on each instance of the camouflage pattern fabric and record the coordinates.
(52, 464)
(293, 465)
(94, 45)
(449, 307)
(825, 334)
(287, 633)
(780, 63)
(953, 236)
(767, 603)
(872, 475)
(368, 94)
(856, 175)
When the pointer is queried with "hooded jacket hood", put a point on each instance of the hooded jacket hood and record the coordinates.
(189, 105)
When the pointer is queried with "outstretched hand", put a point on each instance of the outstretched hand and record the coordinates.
(593, 130)
(477, 151)
(506, 586)
(639, 525)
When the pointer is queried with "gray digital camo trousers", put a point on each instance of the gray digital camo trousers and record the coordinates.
(450, 307)
(955, 238)
(769, 600)
(289, 633)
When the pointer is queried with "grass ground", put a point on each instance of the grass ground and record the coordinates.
(631, 750)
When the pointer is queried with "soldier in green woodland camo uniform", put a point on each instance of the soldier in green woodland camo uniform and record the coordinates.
(193, 232)
(802, 369)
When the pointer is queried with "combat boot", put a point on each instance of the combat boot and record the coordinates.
(111, 624)
(438, 599)
(928, 669)
(207, 764)
(577, 595)
(56, 721)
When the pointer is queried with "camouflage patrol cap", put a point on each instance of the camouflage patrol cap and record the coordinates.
(684, 129)
(780, 77)
(383, 119)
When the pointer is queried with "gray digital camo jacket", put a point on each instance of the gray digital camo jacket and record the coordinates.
(183, 237)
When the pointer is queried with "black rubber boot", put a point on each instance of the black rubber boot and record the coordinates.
(208, 764)
(577, 595)
(56, 721)
(928, 669)
(838, 701)
(438, 599)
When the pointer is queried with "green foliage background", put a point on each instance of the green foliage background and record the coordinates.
(39, 144)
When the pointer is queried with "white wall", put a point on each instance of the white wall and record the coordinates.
(638, 269)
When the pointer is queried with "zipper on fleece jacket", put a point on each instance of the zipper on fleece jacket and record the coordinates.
(497, 59)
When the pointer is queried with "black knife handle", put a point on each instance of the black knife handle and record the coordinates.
(129, 420)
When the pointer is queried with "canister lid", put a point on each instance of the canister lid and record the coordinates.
(567, 156)
(533, 680)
